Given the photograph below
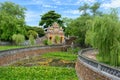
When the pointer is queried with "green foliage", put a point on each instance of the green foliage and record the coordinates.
(104, 35)
(47, 42)
(94, 9)
(42, 72)
(84, 8)
(57, 39)
(18, 38)
(67, 20)
(33, 33)
(31, 40)
(37, 73)
(11, 20)
(39, 30)
(10, 47)
(49, 18)
(73, 50)
(78, 28)
(61, 55)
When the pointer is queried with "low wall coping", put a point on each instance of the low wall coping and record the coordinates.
(109, 71)
(17, 50)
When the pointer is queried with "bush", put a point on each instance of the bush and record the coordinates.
(31, 39)
(47, 42)
(18, 38)
(33, 33)
(73, 50)
(57, 39)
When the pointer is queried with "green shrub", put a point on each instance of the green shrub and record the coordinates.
(47, 42)
(18, 38)
(73, 50)
(57, 39)
(33, 33)
(31, 39)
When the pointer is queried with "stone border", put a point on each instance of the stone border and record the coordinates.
(9, 56)
(88, 69)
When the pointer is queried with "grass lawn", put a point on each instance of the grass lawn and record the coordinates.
(61, 55)
(37, 73)
(10, 47)
(41, 72)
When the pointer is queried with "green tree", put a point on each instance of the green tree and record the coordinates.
(33, 33)
(84, 9)
(66, 21)
(39, 30)
(18, 38)
(94, 9)
(11, 20)
(104, 35)
(78, 28)
(49, 18)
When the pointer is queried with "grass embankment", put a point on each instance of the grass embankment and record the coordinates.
(41, 72)
(10, 47)
(61, 55)
(37, 73)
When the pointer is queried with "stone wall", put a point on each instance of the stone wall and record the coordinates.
(9, 56)
(85, 73)
(5, 43)
(89, 69)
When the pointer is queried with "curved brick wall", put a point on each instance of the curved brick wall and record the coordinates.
(9, 56)
(88, 69)
(86, 73)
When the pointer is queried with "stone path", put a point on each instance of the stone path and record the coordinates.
(91, 54)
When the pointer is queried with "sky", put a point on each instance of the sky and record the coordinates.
(67, 8)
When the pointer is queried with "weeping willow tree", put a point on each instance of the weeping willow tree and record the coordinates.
(104, 34)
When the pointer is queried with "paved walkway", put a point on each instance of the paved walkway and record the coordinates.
(91, 54)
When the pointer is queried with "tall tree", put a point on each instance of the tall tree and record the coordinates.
(67, 21)
(78, 28)
(11, 20)
(39, 30)
(104, 35)
(94, 9)
(49, 18)
(84, 8)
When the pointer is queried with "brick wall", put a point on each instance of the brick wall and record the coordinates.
(8, 57)
(85, 73)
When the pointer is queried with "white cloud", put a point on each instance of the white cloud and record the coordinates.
(32, 18)
(69, 16)
(48, 6)
(56, 1)
(37, 1)
(85, 1)
(112, 4)
(62, 2)
(72, 12)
